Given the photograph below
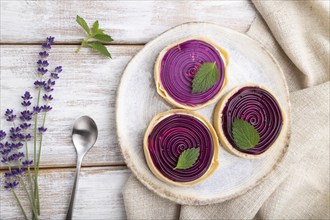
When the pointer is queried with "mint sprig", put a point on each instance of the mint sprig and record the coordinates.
(95, 37)
(187, 158)
(245, 135)
(207, 75)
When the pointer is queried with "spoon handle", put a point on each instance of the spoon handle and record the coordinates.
(73, 194)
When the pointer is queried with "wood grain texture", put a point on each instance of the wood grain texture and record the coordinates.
(87, 86)
(128, 22)
(98, 197)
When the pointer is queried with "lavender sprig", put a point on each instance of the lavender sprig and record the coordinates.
(18, 162)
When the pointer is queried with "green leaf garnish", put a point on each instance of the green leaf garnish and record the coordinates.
(95, 26)
(187, 158)
(95, 37)
(245, 135)
(101, 48)
(103, 37)
(83, 24)
(207, 75)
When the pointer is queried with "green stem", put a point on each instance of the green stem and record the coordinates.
(37, 170)
(78, 50)
(35, 150)
(28, 195)
(83, 43)
(20, 205)
(29, 172)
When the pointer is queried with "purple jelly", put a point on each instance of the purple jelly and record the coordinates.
(258, 107)
(170, 137)
(179, 66)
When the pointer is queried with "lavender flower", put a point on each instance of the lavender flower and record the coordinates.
(5, 152)
(16, 156)
(15, 130)
(26, 96)
(11, 185)
(42, 70)
(11, 117)
(1, 145)
(17, 145)
(50, 82)
(36, 109)
(9, 112)
(54, 76)
(46, 108)
(48, 89)
(25, 126)
(43, 54)
(8, 145)
(43, 63)
(50, 39)
(58, 69)
(22, 171)
(39, 84)
(46, 46)
(47, 97)
(48, 86)
(26, 115)
(2, 134)
(26, 103)
(42, 129)
(8, 175)
(27, 137)
(27, 163)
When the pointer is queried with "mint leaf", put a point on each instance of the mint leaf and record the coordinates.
(101, 48)
(245, 135)
(83, 24)
(95, 26)
(207, 75)
(96, 34)
(187, 158)
(103, 37)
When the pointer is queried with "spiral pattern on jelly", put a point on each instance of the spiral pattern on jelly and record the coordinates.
(170, 137)
(179, 66)
(258, 107)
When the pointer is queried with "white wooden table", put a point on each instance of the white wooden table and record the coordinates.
(87, 87)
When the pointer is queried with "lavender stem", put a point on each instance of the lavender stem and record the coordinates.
(35, 153)
(20, 205)
(39, 154)
(27, 193)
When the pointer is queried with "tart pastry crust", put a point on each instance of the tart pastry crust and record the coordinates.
(163, 93)
(214, 162)
(218, 124)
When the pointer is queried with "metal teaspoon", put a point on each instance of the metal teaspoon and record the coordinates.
(84, 135)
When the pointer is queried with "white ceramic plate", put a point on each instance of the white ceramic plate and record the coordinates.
(138, 102)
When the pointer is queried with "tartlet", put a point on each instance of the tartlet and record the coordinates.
(177, 65)
(168, 135)
(257, 105)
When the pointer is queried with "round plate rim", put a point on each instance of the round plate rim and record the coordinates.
(189, 200)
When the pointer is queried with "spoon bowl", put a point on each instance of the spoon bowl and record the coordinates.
(84, 135)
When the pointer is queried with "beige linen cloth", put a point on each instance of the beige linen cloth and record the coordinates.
(297, 34)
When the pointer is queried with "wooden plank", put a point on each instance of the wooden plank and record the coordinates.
(87, 87)
(98, 197)
(128, 22)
